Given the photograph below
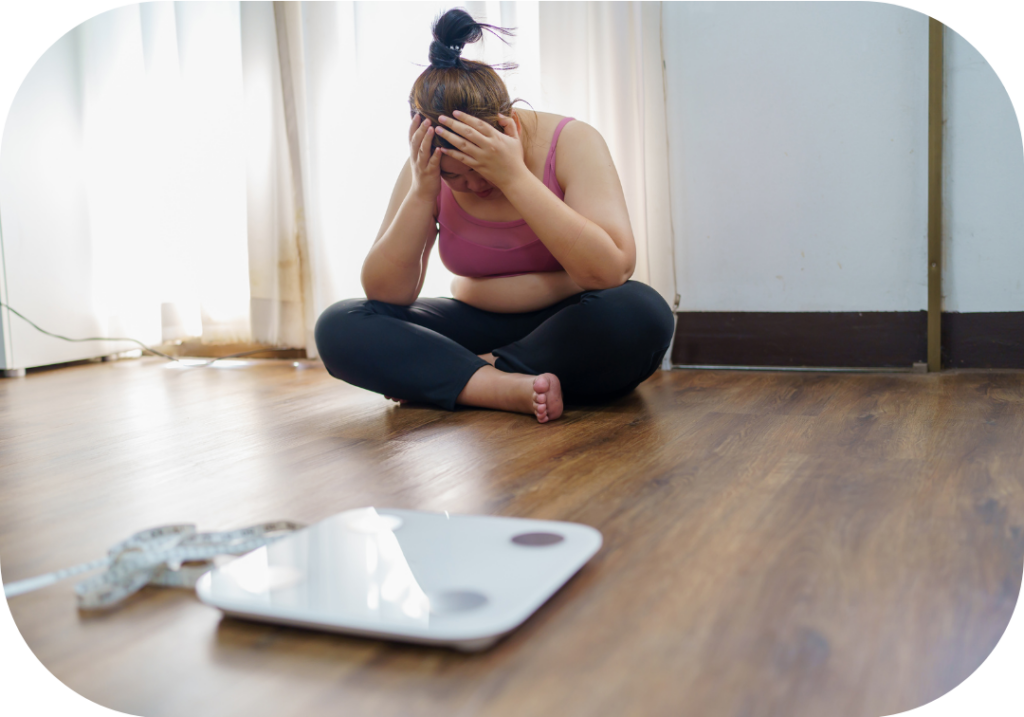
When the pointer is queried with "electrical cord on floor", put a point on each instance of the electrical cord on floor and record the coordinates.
(134, 341)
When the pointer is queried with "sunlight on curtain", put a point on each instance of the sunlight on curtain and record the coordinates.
(165, 182)
(275, 283)
(212, 164)
(171, 246)
(114, 142)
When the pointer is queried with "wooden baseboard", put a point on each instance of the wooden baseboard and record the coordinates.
(852, 339)
(880, 339)
(201, 350)
(983, 339)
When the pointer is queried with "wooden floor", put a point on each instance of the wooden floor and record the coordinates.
(774, 543)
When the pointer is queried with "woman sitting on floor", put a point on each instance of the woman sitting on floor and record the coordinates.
(531, 218)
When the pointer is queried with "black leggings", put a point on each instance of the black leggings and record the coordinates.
(600, 344)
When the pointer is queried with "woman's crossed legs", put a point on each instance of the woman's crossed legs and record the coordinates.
(590, 347)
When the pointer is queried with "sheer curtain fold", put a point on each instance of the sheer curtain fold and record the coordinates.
(211, 166)
(275, 279)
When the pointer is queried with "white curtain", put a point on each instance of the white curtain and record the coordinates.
(165, 181)
(232, 162)
(274, 219)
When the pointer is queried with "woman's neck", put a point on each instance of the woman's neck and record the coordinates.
(528, 128)
(535, 148)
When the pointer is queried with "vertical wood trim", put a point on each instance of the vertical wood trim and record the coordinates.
(935, 126)
(666, 362)
(668, 141)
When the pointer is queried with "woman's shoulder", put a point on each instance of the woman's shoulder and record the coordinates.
(578, 134)
(578, 144)
(546, 124)
(575, 143)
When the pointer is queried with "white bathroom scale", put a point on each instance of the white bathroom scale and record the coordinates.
(461, 581)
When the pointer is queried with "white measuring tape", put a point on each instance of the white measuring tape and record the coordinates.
(171, 555)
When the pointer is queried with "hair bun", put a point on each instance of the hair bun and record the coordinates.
(453, 30)
(442, 55)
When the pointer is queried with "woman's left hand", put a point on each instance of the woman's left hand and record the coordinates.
(496, 157)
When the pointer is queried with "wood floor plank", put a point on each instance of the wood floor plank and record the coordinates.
(774, 543)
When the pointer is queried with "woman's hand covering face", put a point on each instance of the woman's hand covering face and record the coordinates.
(425, 164)
(495, 156)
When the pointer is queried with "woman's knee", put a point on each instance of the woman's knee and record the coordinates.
(639, 313)
(337, 331)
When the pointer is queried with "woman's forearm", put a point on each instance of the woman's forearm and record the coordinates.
(515, 294)
(393, 269)
(585, 250)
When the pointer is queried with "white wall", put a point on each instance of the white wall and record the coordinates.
(983, 192)
(798, 148)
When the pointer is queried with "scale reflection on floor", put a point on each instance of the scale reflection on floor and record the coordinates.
(462, 581)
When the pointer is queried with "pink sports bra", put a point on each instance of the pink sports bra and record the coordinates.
(474, 247)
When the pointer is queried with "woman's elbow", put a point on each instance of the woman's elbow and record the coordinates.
(385, 292)
(608, 277)
(395, 299)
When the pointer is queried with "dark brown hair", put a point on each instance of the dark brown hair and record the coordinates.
(453, 83)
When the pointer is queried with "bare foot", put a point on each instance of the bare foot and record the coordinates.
(518, 392)
(547, 397)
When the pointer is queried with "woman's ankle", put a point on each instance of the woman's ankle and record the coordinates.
(540, 395)
(491, 388)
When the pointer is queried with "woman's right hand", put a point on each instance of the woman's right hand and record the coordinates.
(425, 164)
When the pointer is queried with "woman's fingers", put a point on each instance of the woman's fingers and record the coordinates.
(414, 141)
(509, 125)
(423, 151)
(461, 156)
(419, 126)
(423, 135)
(463, 131)
(475, 124)
(416, 134)
(435, 160)
(455, 139)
